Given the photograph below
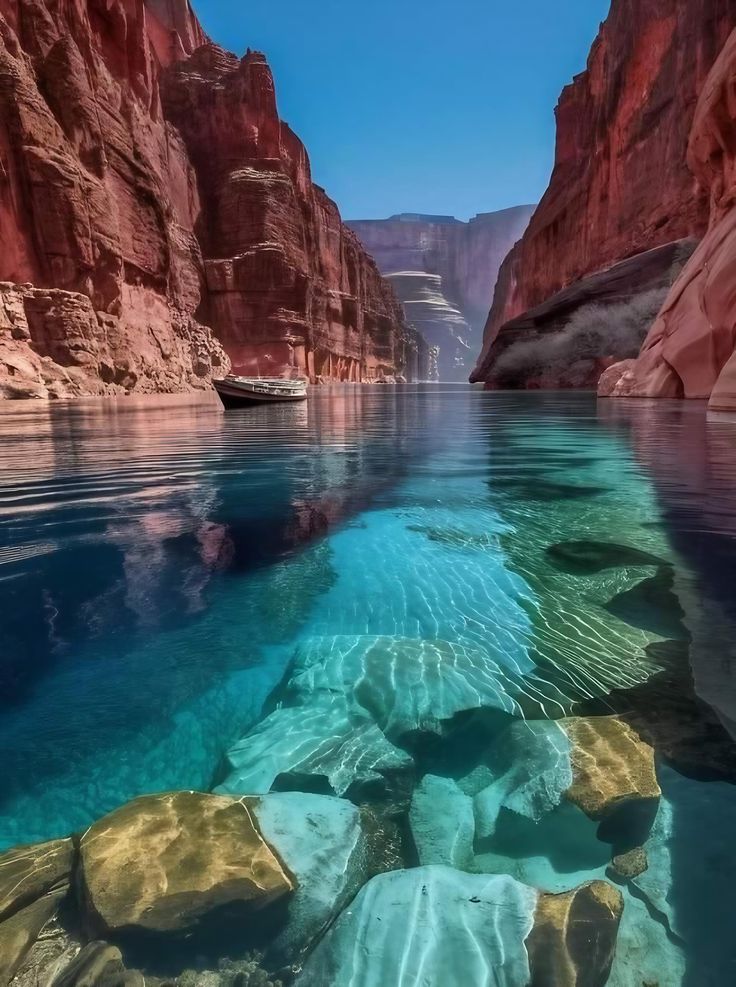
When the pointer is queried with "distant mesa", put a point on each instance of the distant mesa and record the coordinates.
(444, 271)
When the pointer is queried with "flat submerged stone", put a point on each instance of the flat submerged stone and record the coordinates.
(162, 863)
(431, 926)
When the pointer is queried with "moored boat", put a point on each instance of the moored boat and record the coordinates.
(236, 392)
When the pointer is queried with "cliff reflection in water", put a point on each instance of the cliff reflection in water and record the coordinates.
(690, 457)
(152, 550)
(498, 623)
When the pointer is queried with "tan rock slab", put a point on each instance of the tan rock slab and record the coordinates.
(573, 940)
(29, 872)
(19, 932)
(614, 778)
(162, 863)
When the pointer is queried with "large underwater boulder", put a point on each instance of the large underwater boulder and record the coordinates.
(164, 863)
(573, 941)
(321, 841)
(321, 744)
(350, 702)
(436, 926)
(431, 926)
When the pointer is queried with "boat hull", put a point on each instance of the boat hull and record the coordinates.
(239, 395)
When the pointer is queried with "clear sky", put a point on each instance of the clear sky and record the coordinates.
(437, 106)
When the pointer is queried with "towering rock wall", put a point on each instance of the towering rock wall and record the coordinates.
(620, 184)
(100, 271)
(444, 271)
(287, 283)
(124, 241)
(690, 350)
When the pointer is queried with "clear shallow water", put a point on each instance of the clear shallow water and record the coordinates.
(160, 563)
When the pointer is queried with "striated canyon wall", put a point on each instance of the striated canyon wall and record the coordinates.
(620, 186)
(444, 271)
(691, 349)
(158, 221)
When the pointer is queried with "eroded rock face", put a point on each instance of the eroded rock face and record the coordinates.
(97, 201)
(163, 863)
(444, 271)
(288, 285)
(621, 184)
(150, 236)
(689, 351)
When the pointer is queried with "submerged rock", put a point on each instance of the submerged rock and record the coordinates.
(319, 746)
(19, 932)
(98, 964)
(27, 873)
(433, 926)
(631, 864)
(588, 557)
(614, 778)
(34, 880)
(407, 685)
(573, 940)
(321, 841)
(163, 863)
(442, 823)
(349, 703)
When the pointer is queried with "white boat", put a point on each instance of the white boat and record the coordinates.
(238, 391)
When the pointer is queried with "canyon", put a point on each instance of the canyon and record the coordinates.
(444, 272)
(159, 222)
(621, 186)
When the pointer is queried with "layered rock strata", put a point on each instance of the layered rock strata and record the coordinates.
(131, 227)
(444, 271)
(689, 352)
(620, 184)
(523, 353)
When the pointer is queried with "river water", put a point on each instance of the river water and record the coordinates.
(161, 562)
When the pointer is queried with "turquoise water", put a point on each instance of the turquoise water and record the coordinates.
(178, 583)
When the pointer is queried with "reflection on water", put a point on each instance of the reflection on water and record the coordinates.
(441, 596)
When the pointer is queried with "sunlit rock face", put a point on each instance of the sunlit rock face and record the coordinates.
(444, 271)
(689, 351)
(621, 184)
(131, 228)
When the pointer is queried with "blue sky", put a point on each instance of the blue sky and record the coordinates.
(418, 105)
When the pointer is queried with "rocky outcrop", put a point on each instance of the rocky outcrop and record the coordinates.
(146, 234)
(287, 284)
(444, 271)
(98, 202)
(567, 340)
(620, 185)
(689, 351)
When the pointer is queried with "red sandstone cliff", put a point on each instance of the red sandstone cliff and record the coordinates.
(620, 184)
(124, 241)
(690, 350)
